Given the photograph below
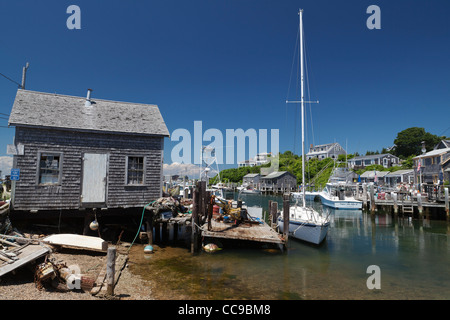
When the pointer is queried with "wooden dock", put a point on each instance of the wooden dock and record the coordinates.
(241, 226)
(406, 203)
(260, 232)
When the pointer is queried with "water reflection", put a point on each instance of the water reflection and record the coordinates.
(413, 256)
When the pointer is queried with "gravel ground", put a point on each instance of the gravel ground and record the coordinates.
(20, 285)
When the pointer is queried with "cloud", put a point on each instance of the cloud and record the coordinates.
(181, 169)
(6, 163)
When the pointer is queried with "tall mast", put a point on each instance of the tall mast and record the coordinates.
(300, 12)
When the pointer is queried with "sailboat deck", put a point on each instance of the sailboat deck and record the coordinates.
(252, 232)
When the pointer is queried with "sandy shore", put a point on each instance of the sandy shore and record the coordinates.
(20, 285)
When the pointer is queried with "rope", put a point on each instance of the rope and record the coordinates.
(140, 225)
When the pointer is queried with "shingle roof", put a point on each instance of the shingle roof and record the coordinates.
(39, 109)
(276, 174)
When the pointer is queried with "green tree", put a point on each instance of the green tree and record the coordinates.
(409, 142)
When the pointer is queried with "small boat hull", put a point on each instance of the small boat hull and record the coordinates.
(341, 204)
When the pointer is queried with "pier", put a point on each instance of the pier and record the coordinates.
(429, 202)
(240, 226)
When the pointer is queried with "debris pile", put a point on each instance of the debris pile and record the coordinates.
(61, 277)
(170, 205)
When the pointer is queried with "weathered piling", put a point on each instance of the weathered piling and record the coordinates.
(110, 271)
(286, 200)
(372, 198)
(419, 204)
(394, 198)
(274, 212)
(446, 203)
(194, 223)
(364, 195)
(149, 226)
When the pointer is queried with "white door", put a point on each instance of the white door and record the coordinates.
(94, 178)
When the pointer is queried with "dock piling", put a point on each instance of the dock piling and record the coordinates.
(110, 271)
(394, 198)
(195, 210)
(286, 200)
(273, 212)
(446, 202)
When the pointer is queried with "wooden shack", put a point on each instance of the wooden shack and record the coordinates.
(76, 152)
(278, 182)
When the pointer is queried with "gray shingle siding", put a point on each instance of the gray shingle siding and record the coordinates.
(71, 144)
(62, 124)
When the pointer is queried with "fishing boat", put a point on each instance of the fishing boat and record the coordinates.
(340, 190)
(339, 196)
(305, 223)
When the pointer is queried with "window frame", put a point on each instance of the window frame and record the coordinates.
(38, 167)
(144, 170)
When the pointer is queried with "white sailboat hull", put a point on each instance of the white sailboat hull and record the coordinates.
(305, 224)
(312, 233)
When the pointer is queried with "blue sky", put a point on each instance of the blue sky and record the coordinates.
(228, 63)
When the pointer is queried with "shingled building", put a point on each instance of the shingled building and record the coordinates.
(76, 152)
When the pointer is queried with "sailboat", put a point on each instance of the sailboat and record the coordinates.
(305, 223)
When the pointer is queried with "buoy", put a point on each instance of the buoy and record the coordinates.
(211, 247)
(148, 249)
(94, 225)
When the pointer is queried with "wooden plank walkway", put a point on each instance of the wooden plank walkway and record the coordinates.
(244, 231)
(25, 254)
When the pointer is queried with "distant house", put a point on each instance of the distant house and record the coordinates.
(443, 144)
(374, 176)
(246, 163)
(76, 152)
(251, 179)
(432, 167)
(279, 181)
(259, 159)
(399, 176)
(323, 151)
(387, 160)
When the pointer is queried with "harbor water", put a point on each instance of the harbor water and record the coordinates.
(412, 257)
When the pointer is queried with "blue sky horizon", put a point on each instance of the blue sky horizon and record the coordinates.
(228, 64)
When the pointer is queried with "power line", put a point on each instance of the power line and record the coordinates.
(11, 80)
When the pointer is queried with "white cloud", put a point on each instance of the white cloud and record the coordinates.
(6, 163)
(181, 169)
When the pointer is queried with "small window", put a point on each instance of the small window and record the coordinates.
(135, 170)
(49, 168)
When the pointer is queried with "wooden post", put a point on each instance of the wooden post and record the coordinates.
(195, 209)
(394, 197)
(446, 202)
(210, 209)
(274, 212)
(110, 270)
(286, 201)
(364, 195)
(149, 225)
(419, 204)
(372, 199)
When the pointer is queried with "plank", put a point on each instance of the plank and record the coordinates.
(29, 253)
(255, 232)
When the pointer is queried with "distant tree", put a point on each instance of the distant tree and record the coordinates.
(409, 142)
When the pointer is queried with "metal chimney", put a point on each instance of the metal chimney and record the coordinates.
(88, 98)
